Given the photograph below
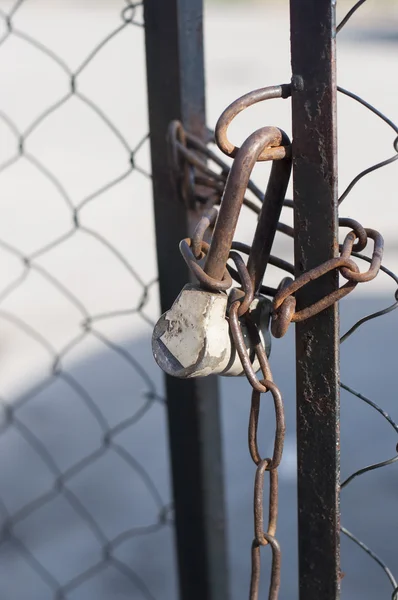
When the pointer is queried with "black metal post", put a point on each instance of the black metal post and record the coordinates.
(317, 340)
(175, 74)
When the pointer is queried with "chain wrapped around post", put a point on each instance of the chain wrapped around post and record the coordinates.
(211, 331)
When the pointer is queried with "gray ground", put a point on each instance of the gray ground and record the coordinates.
(245, 49)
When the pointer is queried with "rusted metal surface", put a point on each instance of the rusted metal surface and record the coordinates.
(246, 283)
(234, 193)
(207, 220)
(279, 432)
(263, 465)
(207, 281)
(375, 264)
(317, 339)
(315, 290)
(269, 218)
(229, 114)
(359, 232)
(284, 301)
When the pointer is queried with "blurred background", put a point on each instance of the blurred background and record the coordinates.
(84, 470)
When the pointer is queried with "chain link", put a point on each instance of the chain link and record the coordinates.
(284, 301)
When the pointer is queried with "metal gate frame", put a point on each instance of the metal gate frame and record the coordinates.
(176, 90)
(313, 48)
(175, 69)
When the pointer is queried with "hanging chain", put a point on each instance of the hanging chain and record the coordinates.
(266, 385)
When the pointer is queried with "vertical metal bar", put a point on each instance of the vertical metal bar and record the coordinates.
(175, 76)
(317, 340)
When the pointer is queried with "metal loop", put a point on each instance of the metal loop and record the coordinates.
(206, 221)
(241, 349)
(182, 171)
(282, 317)
(129, 11)
(279, 429)
(359, 231)
(275, 569)
(375, 264)
(234, 193)
(311, 275)
(194, 160)
(271, 153)
(329, 300)
(258, 506)
(245, 282)
(207, 282)
(282, 314)
(258, 347)
(176, 133)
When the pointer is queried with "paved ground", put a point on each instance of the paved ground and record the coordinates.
(244, 50)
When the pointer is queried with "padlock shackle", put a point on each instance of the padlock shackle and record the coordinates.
(245, 159)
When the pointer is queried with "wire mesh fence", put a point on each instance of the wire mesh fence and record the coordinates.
(80, 504)
(85, 494)
(377, 404)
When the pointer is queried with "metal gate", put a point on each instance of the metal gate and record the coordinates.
(87, 509)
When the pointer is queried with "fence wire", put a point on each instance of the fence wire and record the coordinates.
(60, 494)
(354, 392)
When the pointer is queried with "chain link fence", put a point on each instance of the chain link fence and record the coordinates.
(85, 493)
(362, 389)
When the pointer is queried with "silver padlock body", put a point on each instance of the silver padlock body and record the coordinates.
(192, 339)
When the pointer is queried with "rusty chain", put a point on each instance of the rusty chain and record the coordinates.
(284, 301)
(197, 182)
(263, 465)
(195, 249)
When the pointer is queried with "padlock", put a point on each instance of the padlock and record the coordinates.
(193, 339)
